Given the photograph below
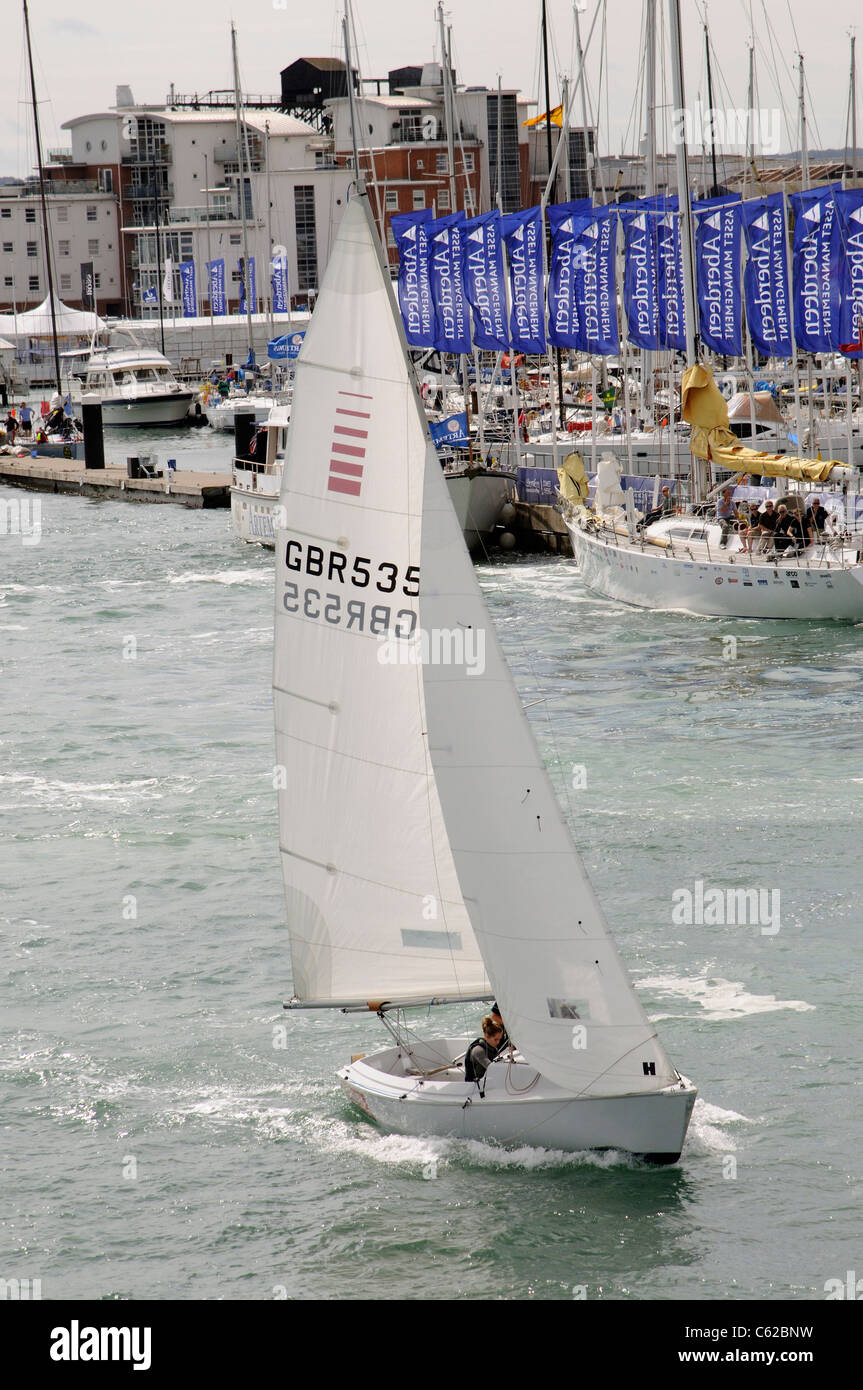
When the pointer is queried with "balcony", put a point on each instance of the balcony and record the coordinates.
(201, 214)
(161, 154)
(165, 192)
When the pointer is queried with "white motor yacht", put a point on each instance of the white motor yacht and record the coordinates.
(136, 386)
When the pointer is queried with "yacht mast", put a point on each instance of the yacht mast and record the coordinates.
(45, 227)
(685, 206)
(241, 186)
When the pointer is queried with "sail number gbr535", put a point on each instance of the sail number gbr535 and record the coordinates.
(341, 606)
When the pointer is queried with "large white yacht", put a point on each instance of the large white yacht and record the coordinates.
(136, 386)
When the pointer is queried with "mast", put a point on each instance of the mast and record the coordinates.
(269, 226)
(714, 192)
(685, 206)
(588, 158)
(648, 361)
(244, 276)
(45, 226)
(209, 257)
(555, 353)
(350, 75)
(853, 115)
(804, 144)
(159, 285)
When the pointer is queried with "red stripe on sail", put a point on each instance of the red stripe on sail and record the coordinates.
(350, 470)
(343, 485)
(360, 414)
(347, 429)
(351, 449)
(358, 395)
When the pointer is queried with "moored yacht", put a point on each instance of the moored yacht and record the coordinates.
(136, 386)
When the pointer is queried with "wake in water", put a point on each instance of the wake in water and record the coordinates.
(721, 999)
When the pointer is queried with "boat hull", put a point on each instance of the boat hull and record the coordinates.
(145, 411)
(478, 496)
(655, 579)
(518, 1108)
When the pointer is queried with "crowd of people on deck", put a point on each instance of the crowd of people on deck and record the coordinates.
(772, 526)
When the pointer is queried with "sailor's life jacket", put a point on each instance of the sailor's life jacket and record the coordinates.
(478, 1058)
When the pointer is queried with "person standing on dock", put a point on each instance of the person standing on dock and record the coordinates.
(11, 425)
(26, 419)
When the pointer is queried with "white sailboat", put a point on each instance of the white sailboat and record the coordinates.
(425, 856)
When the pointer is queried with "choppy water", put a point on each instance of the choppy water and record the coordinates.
(145, 953)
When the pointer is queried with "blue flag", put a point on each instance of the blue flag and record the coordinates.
(217, 286)
(669, 264)
(484, 282)
(415, 301)
(718, 237)
(850, 205)
(452, 430)
(816, 269)
(150, 296)
(582, 294)
(279, 282)
(253, 297)
(640, 283)
(766, 285)
(190, 296)
(446, 276)
(522, 233)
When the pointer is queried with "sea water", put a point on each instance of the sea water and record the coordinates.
(160, 1142)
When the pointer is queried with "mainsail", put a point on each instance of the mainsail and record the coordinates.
(374, 907)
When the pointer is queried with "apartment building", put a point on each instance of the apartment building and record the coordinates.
(85, 237)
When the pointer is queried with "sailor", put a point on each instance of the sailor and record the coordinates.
(816, 518)
(726, 513)
(482, 1051)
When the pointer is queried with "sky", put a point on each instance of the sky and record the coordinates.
(81, 58)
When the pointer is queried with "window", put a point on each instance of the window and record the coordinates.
(5, 212)
(419, 199)
(392, 200)
(236, 238)
(8, 246)
(468, 162)
(62, 214)
(307, 237)
(93, 246)
(9, 280)
(97, 280)
(32, 248)
(65, 248)
(29, 214)
(92, 212)
(391, 240)
(65, 282)
(34, 282)
(442, 163)
(443, 197)
(106, 180)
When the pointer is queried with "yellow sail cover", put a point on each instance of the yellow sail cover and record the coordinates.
(704, 408)
(573, 479)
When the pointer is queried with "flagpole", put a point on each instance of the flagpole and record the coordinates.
(209, 258)
(158, 255)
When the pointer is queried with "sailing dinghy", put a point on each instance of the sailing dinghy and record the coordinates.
(425, 857)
